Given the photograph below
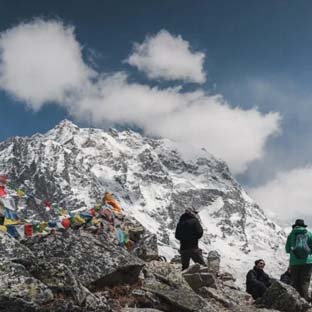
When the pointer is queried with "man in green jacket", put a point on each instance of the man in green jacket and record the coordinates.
(299, 246)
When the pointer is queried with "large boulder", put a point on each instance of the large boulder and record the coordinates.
(12, 249)
(94, 263)
(19, 291)
(164, 288)
(197, 276)
(282, 297)
(60, 279)
(178, 298)
(214, 294)
(169, 273)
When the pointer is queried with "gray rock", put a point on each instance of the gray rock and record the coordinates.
(209, 280)
(94, 263)
(19, 291)
(226, 276)
(195, 268)
(251, 308)
(139, 310)
(12, 249)
(282, 297)
(213, 261)
(169, 272)
(237, 296)
(194, 280)
(59, 278)
(198, 280)
(178, 298)
(147, 248)
(212, 293)
(230, 284)
(176, 259)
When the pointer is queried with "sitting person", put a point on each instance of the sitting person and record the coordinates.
(286, 277)
(257, 281)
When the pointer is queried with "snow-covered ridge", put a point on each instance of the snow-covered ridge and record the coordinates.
(155, 180)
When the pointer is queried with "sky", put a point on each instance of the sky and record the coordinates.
(231, 76)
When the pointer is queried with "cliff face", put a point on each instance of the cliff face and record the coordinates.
(154, 180)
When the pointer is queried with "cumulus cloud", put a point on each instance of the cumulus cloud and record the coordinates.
(235, 135)
(168, 57)
(41, 61)
(287, 196)
(50, 68)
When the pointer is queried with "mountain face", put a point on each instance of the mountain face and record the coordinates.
(154, 180)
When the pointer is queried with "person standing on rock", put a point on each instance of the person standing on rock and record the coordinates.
(257, 281)
(188, 232)
(299, 246)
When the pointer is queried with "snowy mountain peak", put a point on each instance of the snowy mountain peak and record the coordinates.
(155, 180)
(65, 123)
(63, 131)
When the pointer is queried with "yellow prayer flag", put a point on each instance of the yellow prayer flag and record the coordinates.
(78, 219)
(20, 193)
(3, 228)
(11, 222)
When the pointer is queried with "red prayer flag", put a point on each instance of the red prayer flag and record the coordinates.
(3, 178)
(92, 212)
(28, 229)
(2, 191)
(47, 204)
(66, 223)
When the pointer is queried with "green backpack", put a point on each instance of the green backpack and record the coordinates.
(301, 249)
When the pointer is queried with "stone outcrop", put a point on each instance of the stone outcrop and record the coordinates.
(94, 263)
(19, 291)
(77, 271)
(282, 297)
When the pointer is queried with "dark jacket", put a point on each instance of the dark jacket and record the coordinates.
(188, 231)
(257, 281)
(286, 277)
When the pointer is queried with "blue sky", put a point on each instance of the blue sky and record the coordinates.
(255, 55)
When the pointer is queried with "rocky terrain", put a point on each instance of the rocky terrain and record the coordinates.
(76, 271)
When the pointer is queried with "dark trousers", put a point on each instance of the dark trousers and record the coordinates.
(300, 279)
(195, 254)
(257, 291)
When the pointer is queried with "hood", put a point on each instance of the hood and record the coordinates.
(187, 216)
(299, 230)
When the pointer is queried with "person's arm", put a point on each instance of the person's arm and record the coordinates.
(310, 240)
(268, 280)
(287, 247)
(252, 280)
(199, 229)
(178, 232)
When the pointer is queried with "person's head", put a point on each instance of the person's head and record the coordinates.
(193, 210)
(260, 264)
(299, 223)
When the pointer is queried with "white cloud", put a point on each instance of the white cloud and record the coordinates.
(49, 67)
(235, 135)
(168, 57)
(288, 196)
(40, 62)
